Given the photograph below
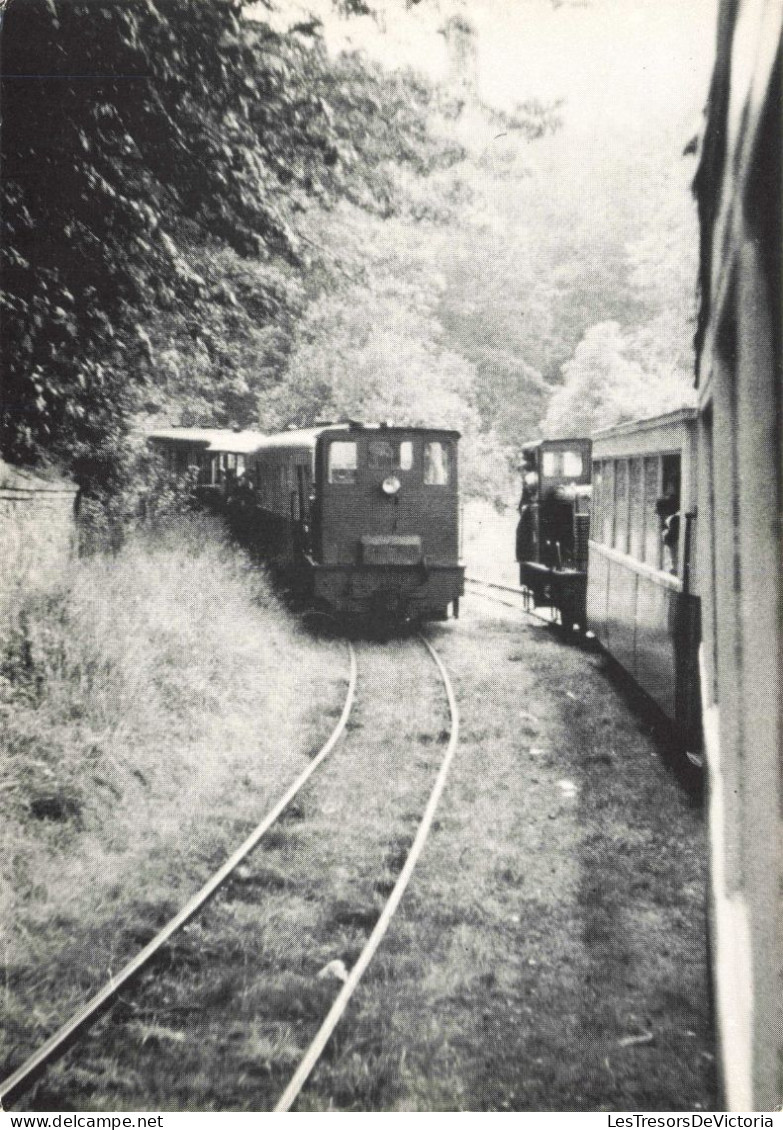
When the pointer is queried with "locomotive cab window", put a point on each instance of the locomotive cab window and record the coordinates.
(550, 464)
(562, 464)
(390, 454)
(342, 461)
(437, 463)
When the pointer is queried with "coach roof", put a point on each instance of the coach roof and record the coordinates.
(254, 443)
(211, 439)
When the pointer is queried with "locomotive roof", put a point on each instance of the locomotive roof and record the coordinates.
(564, 441)
(212, 439)
(308, 437)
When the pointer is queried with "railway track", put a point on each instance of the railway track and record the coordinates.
(319, 1042)
(522, 603)
(491, 590)
(22, 1079)
(25, 1075)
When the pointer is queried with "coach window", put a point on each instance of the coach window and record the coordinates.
(671, 477)
(652, 523)
(621, 506)
(572, 464)
(598, 499)
(342, 461)
(669, 511)
(437, 470)
(607, 526)
(636, 489)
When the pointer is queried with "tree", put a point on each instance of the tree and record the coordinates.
(373, 348)
(604, 385)
(153, 185)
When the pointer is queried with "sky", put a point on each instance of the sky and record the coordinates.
(612, 60)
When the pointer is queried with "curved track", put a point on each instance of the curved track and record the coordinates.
(17, 1083)
(58, 1043)
(316, 1048)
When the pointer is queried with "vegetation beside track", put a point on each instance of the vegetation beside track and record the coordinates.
(221, 1018)
(549, 954)
(154, 705)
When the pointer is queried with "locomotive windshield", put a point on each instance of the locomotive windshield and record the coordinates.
(390, 454)
(562, 464)
(385, 453)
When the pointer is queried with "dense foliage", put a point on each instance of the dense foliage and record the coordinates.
(157, 156)
(212, 219)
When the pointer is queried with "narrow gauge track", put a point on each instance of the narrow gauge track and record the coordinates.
(318, 1044)
(21, 1080)
(520, 606)
(25, 1075)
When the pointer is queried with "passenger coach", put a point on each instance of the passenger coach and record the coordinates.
(740, 361)
(216, 456)
(642, 595)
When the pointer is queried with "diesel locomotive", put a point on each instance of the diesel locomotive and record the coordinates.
(361, 519)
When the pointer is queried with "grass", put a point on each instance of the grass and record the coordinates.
(154, 704)
(242, 985)
(549, 954)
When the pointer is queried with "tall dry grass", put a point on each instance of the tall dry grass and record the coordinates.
(152, 704)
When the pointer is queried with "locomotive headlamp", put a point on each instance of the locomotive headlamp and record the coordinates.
(390, 485)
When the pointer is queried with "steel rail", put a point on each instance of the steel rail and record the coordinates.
(29, 1071)
(493, 585)
(315, 1050)
(507, 603)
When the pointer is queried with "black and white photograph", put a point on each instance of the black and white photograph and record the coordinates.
(391, 528)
